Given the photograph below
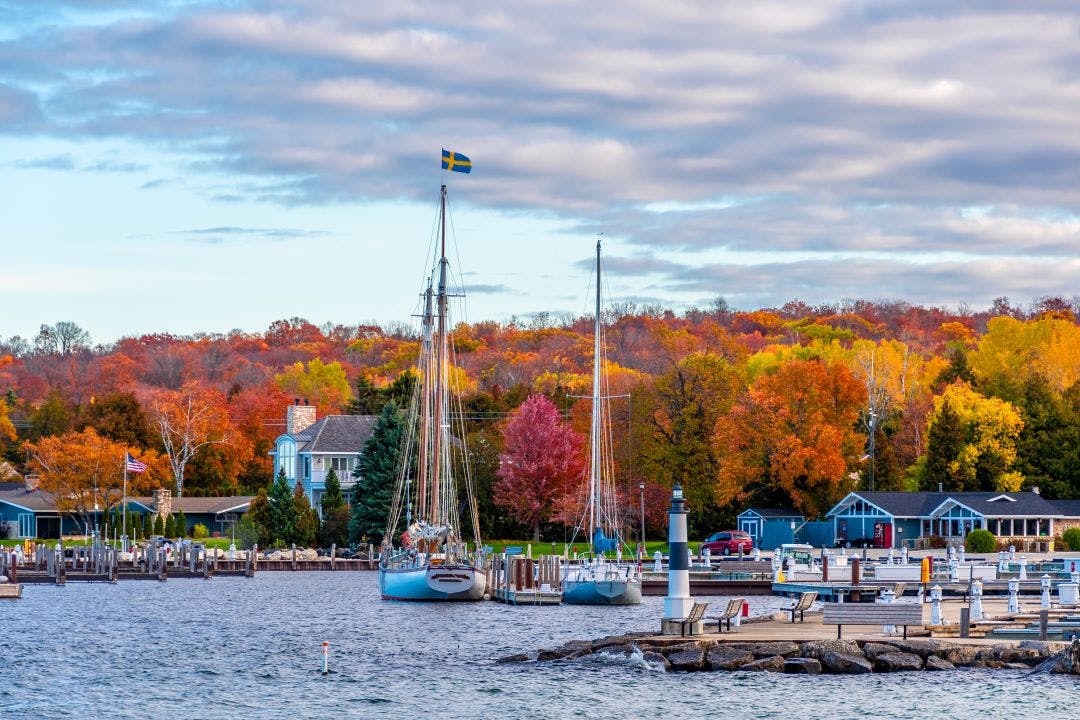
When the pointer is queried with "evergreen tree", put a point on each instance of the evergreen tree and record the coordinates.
(376, 474)
(147, 525)
(334, 527)
(1048, 450)
(307, 520)
(958, 369)
(258, 521)
(331, 498)
(368, 398)
(282, 525)
(181, 524)
(159, 525)
(944, 442)
(170, 526)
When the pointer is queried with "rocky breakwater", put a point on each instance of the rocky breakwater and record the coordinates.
(813, 657)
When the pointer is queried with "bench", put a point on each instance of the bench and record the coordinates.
(697, 612)
(734, 607)
(806, 599)
(872, 614)
(513, 550)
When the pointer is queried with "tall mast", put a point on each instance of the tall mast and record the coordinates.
(595, 517)
(440, 361)
(426, 353)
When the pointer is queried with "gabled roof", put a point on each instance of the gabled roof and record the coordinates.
(201, 505)
(773, 512)
(923, 504)
(344, 434)
(1067, 508)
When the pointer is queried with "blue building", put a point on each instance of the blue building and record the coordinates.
(895, 519)
(770, 527)
(310, 448)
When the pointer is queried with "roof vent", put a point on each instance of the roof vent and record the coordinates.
(1035, 489)
(940, 487)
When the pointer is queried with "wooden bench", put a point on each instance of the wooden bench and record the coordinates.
(734, 607)
(697, 612)
(872, 614)
(805, 601)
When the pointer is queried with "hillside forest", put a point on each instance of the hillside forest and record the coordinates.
(783, 407)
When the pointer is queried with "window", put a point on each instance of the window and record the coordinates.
(343, 466)
(307, 467)
(287, 458)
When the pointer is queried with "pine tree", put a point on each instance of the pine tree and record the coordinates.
(334, 527)
(331, 497)
(282, 525)
(368, 398)
(307, 520)
(147, 525)
(258, 521)
(944, 442)
(181, 524)
(170, 526)
(376, 474)
(159, 525)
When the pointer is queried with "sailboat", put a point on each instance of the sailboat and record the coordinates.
(430, 560)
(599, 580)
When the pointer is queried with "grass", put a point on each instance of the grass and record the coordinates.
(546, 548)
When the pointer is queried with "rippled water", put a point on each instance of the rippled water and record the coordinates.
(238, 648)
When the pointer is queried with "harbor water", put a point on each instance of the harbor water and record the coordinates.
(251, 648)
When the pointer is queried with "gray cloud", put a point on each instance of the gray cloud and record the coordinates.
(218, 235)
(929, 145)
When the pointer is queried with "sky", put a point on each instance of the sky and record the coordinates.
(184, 166)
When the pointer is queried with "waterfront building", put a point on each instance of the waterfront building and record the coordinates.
(309, 448)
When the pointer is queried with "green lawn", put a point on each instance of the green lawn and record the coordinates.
(546, 548)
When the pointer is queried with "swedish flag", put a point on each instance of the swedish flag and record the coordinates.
(455, 162)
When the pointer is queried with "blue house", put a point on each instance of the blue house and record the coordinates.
(770, 527)
(894, 519)
(310, 448)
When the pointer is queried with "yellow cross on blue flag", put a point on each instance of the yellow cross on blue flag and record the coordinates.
(455, 162)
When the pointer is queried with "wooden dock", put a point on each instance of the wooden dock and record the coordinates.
(525, 581)
(10, 590)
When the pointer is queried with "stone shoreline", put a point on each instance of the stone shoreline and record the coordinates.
(812, 657)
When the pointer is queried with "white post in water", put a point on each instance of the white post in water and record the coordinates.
(1023, 566)
(757, 554)
(961, 551)
(903, 555)
(935, 605)
(976, 600)
(1012, 553)
(325, 658)
(891, 558)
(1002, 561)
(1044, 601)
(776, 565)
(1014, 596)
(954, 569)
(658, 561)
(677, 603)
(706, 557)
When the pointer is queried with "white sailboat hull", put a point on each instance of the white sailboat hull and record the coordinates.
(433, 583)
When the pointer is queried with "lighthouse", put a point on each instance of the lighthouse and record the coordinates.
(677, 604)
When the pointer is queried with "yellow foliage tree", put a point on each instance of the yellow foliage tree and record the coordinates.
(322, 384)
(991, 428)
(7, 428)
(1014, 350)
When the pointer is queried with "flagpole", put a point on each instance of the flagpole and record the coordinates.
(123, 507)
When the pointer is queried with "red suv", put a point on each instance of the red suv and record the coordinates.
(727, 542)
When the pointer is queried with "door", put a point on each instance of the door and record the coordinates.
(886, 535)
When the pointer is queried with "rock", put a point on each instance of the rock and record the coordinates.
(922, 647)
(1057, 664)
(561, 652)
(723, 658)
(842, 663)
(897, 662)
(769, 649)
(935, 663)
(517, 657)
(817, 648)
(961, 655)
(655, 658)
(991, 664)
(609, 641)
(687, 660)
(767, 664)
(1017, 666)
(873, 649)
(1074, 657)
(1045, 648)
(802, 666)
(1012, 654)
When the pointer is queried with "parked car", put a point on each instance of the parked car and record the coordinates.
(727, 542)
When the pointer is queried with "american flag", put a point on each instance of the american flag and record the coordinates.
(134, 465)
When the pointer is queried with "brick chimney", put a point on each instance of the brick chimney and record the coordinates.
(299, 417)
(163, 501)
(33, 482)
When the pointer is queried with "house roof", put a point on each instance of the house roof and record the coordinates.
(923, 504)
(201, 505)
(773, 512)
(33, 500)
(345, 434)
(1067, 508)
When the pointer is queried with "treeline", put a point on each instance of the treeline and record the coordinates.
(774, 407)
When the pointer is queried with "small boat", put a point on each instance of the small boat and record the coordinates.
(431, 561)
(601, 581)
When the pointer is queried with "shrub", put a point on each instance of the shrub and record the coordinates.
(980, 540)
(1071, 538)
(199, 531)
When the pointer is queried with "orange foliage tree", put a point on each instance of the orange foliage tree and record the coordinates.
(188, 420)
(84, 472)
(792, 439)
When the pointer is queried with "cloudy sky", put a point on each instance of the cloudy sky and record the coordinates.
(181, 166)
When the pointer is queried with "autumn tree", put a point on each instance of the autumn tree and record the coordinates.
(119, 417)
(990, 428)
(792, 440)
(541, 464)
(7, 428)
(84, 472)
(376, 475)
(322, 384)
(188, 420)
